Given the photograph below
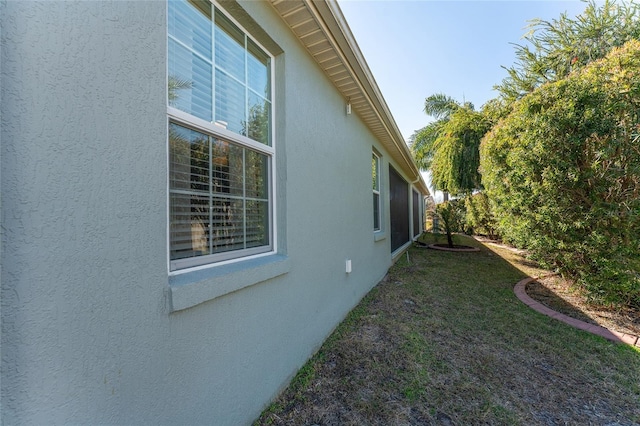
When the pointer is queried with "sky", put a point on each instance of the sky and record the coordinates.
(421, 47)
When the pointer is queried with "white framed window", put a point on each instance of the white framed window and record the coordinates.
(415, 206)
(221, 153)
(375, 175)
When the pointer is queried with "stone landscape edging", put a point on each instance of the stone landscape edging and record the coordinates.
(614, 336)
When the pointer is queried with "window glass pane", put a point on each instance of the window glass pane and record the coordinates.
(258, 70)
(375, 166)
(230, 103)
(256, 175)
(190, 82)
(375, 175)
(240, 67)
(257, 223)
(219, 190)
(227, 225)
(230, 51)
(190, 23)
(189, 160)
(376, 211)
(189, 225)
(227, 168)
(416, 213)
(259, 119)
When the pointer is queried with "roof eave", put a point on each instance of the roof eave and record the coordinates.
(323, 30)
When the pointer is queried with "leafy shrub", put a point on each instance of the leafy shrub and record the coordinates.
(563, 174)
(479, 218)
(554, 49)
(456, 155)
(452, 218)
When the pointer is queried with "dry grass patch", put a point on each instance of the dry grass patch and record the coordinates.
(563, 296)
(443, 340)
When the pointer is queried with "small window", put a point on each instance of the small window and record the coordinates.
(416, 213)
(220, 138)
(375, 174)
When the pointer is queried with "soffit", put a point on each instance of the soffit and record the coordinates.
(324, 32)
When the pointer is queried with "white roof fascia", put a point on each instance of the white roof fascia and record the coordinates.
(323, 30)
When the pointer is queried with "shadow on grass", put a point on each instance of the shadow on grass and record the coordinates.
(444, 340)
(554, 301)
(528, 263)
(553, 304)
(591, 327)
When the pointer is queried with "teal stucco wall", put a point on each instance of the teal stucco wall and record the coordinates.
(92, 329)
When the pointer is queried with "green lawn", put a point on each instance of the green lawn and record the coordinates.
(444, 340)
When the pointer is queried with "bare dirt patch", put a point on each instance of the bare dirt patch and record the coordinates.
(562, 296)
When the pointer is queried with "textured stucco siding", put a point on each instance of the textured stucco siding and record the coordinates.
(85, 334)
(88, 334)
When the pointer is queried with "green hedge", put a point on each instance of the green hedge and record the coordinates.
(563, 174)
(478, 216)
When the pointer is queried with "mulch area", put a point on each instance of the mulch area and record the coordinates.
(562, 296)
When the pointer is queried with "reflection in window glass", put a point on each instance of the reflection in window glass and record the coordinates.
(375, 174)
(232, 88)
(227, 168)
(190, 25)
(189, 160)
(189, 225)
(220, 186)
(258, 71)
(219, 197)
(230, 50)
(256, 172)
(230, 103)
(227, 225)
(257, 223)
(190, 82)
(257, 125)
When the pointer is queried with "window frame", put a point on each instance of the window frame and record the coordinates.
(375, 156)
(213, 130)
(416, 212)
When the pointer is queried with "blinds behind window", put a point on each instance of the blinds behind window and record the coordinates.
(219, 202)
(219, 198)
(190, 59)
(242, 72)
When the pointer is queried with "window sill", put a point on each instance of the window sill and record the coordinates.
(193, 288)
(379, 236)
